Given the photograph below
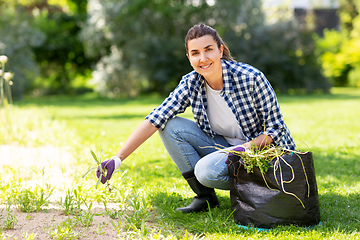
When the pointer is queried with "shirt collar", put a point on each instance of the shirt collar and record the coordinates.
(200, 81)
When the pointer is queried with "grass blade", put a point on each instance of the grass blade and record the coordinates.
(94, 156)
(89, 171)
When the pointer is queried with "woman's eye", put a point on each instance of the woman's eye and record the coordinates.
(208, 49)
(194, 54)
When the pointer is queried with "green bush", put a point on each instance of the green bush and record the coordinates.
(140, 44)
(18, 38)
(61, 58)
(337, 49)
(41, 41)
(285, 53)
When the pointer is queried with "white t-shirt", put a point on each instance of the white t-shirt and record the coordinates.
(221, 118)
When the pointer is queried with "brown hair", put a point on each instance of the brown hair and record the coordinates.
(201, 30)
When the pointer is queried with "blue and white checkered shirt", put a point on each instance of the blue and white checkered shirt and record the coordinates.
(248, 94)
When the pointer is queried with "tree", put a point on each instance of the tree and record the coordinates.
(140, 43)
(61, 57)
(18, 38)
(340, 62)
(43, 38)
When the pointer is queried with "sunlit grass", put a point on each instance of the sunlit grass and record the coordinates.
(325, 124)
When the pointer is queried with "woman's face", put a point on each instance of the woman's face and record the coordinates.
(205, 57)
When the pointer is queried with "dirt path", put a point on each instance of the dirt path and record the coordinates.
(44, 223)
(56, 162)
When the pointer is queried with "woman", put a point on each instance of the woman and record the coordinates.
(233, 105)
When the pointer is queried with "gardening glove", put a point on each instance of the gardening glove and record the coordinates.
(240, 148)
(108, 166)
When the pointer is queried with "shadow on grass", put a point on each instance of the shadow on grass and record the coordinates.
(217, 220)
(123, 116)
(337, 168)
(339, 212)
(340, 94)
(337, 172)
(87, 101)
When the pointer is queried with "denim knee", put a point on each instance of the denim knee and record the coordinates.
(202, 175)
(207, 176)
(212, 173)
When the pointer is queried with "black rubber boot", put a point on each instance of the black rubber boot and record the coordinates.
(204, 195)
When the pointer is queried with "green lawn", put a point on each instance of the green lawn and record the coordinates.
(328, 125)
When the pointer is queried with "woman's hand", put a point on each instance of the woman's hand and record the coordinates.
(108, 167)
(261, 141)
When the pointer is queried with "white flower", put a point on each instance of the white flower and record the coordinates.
(0, 72)
(3, 59)
(8, 76)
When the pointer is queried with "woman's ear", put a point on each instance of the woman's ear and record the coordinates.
(221, 51)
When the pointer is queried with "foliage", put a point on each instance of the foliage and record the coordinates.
(282, 49)
(260, 158)
(86, 217)
(33, 199)
(43, 37)
(72, 202)
(63, 64)
(348, 11)
(141, 43)
(64, 230)
(18, 37)
(285, 53)
(339, 60)
(137, 46)
(140, 213)
(9, 221)
(139, 39)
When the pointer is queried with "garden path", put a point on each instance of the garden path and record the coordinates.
(58, 173)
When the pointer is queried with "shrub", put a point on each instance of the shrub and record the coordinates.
(17, 40)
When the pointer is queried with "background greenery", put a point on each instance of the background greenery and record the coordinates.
(125, 48)
(340, 60)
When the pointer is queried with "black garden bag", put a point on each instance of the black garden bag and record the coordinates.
(285, 195)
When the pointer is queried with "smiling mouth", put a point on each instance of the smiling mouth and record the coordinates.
(205, 66)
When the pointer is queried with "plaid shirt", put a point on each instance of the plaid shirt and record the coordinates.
(248, 94)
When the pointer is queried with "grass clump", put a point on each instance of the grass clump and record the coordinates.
(32, 199)
(65, 230)
(72, 202)
(7, 219)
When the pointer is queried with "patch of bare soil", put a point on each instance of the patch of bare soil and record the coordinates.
(44, 222)
(57, 164)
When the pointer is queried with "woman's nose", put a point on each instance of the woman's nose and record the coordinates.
(203, 57)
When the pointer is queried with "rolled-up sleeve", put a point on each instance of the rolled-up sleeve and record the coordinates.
(174, 104)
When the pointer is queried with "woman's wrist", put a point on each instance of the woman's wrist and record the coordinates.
(117, 161)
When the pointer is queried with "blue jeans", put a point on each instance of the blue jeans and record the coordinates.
(192, 149)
